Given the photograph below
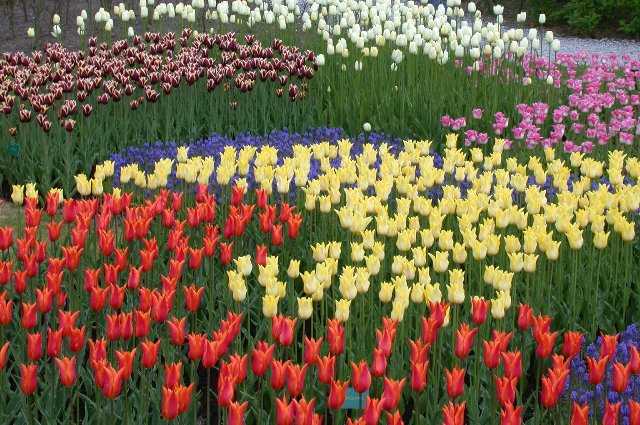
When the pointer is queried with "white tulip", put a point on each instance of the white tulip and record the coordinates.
(130, 32)
(555, 45)
(83, 13)
(550, 80)
(31, 33)
(521, 17)
(542, 19)
(366, 127)
(320, 60)
(56, 19)
(397, 56)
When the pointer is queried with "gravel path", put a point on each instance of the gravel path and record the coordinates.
(604, 46)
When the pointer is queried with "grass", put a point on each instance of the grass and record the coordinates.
(10, 215)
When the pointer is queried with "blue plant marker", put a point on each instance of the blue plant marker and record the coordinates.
(14, 149)
(354, 400)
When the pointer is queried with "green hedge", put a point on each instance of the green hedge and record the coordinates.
(591, 17)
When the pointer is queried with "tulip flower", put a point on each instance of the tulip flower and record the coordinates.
(4, 355)
(608, 345)
(378, 363)
(552, 387)
(295, 378)
(236, 413)
(579, 414)
(335, 337)
(192, 297)
(34, 346)
(418, 351)
(278, 374)
(634, 359)
(430, 330)
(282, 330)
(391, 393)
(360, 376)
(326, 368)
(510, 415)
(545, 342)
(597, 369)
(506, 390)
(28, 378)
(261, 358)
(226, 390)
(634, 412)
(572, 344)
(479, 310)
(611, 413)
(465, 336)
(176, 329)
(285, 412)
(67, 370)
(149, 353)
(453, 414)
(455, 382)
(621, 375)
(525, 317)
(372, 411)
(312, 349)
(337, 394)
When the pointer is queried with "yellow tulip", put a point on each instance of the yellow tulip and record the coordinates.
(417, 293)
(269, 305)
(83, 185)
(424, 277)
(243, 265)
(373, 264)
(455, 292)
(511, 244)
(239, 292)
(17, 194)
(432, 293)
(293, 271)
(459, 253)
(497, 308)
(478, 250)
(419, 256)
(516, 261)
(305, 307)
(445, 240)
(342, 310)
(386, 292)
(397, 264)
(362, 280)
(530, 261)
(440, 261)
(397, 311)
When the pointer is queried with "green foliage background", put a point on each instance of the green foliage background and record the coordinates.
(592, 17)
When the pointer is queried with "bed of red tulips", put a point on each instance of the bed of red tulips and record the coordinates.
(111, 310)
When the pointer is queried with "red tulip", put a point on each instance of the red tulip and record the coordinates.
(149, 353)
(465, 336)
(540, 324)
(226, 253)
(384, 341)
(335, 337)
(54, 229)
(455, 382)
(621, 375)
(438, 312)
(29, 316)
(91, 278)
(304, 411)
(453, 414)
(54, 342)
(196, 346)
(312, 349)
(525, 317)
(430, 330)
(177, 330)
(20, 281)
(360, 376)
(282, 329)
(378, 363)
(195, 258)
(502, 338)
(237, 195)
(579, 414)
(170, 404)
(284, 412)
(608, 345)
(67, 370)
(28, 378)
(372, 411)
(44, 300)
(611, 413)
(512, 361)
(97, 351)
(295, 378)
(236, 413)
(6, 268)
(326, 368)
(597, 369)
(226, 390)
(72, 256)
(479, 310)
(4, 355)
(211, 354)
(491, 353)
(6, 311)
(552, 387)
(125, 361)
(510, 415)
(261, 358)
(142, 323)
(506, 390)
(294, 222)
(337, 394)
(418, 351)
(6, 238)
(172, 374)
(419, 375)
(278, 374)
(634, 359)
(545, 341)
(276, 235)
(634, 411)
(34, 346)
(391, 393)
(261, 255)
(98, 297)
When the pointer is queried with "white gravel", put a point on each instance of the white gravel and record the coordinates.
(604, 46)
